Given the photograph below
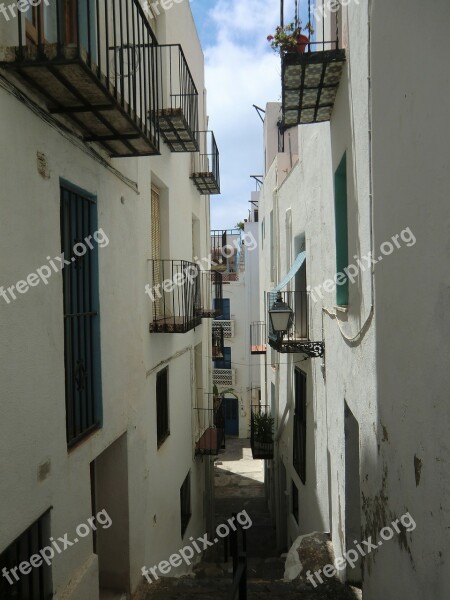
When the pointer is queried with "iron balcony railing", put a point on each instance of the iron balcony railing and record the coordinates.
(211, 294)
(177, 100)
(261, 432)
(218, 343)
(174, 292)
(205, 169)
(238, 553)
(311, 71)
(94, 62)
(297, 338)
(210, 423)
(258, 337)
(225, 250)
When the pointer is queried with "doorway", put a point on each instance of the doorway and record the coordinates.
(352, 492)
(231, 416)
(109, 492)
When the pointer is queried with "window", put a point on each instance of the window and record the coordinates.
(81, 313)
(185, 503)
(299, 458)
(340, 212)
(162, 406)
(37, 583)
(223, 304)
(225, 362)
(295, 501)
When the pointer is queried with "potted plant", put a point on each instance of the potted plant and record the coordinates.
(262, 425)
(290, 37)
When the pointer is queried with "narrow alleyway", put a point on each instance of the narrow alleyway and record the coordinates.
(239, 486)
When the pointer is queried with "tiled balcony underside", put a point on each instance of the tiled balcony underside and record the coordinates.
(310, 84)
(175, 130)
(69, 85)
(206, 183)
(210, 442)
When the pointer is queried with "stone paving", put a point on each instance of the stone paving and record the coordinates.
(239, 485)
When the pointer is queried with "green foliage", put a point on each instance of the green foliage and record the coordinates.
(263, 428)
(286, 38)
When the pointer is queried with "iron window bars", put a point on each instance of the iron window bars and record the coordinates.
(297, 338)
(175, 296)
(81, 316)
(37, 584)
(94, 62)
(205, 170)
(178, 100)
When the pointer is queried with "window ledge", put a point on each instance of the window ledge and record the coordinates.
(343, 308)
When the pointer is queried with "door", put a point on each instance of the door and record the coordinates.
(231, 416)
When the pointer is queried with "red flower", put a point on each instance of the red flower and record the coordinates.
(269, 38)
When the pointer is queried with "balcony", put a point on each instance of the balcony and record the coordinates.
(226, 325)
(174, 292)
(93, 64)
(211, 294)
(225, 252)
(224, 377)
(178, 100)
(258, 339)
(205, 170)
(210, 425)
(296, 338)
(310, 80)
(261, 432)
(217, 344)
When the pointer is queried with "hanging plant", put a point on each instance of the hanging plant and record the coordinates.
(290, 37)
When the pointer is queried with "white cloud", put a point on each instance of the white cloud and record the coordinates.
(241, 70)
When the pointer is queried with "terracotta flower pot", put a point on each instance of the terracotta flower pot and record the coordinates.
(302, 42)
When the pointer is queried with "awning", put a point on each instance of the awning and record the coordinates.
(296, 266)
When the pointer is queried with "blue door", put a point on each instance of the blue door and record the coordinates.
(231, 416)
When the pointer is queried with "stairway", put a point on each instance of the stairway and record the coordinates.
(239, 487)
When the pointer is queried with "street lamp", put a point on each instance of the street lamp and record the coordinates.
(281, 316)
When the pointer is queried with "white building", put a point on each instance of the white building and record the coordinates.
(361, 432)
(98, 406)
(235, 253)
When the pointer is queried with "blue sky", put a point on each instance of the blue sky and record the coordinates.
(241, 70)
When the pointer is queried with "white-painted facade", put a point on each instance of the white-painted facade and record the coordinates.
(242, 291)
(138, 484)
(377, 402)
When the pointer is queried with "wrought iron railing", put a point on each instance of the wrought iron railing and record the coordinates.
(218, 343)
(318, 14)
(261, 432)
(205, 170)
(211, 294)
(238, 552)
(258, 337)
(174, 291)
(225, 249)
(177, 100)
(297, 338)
(95, 63)
(210, 423)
